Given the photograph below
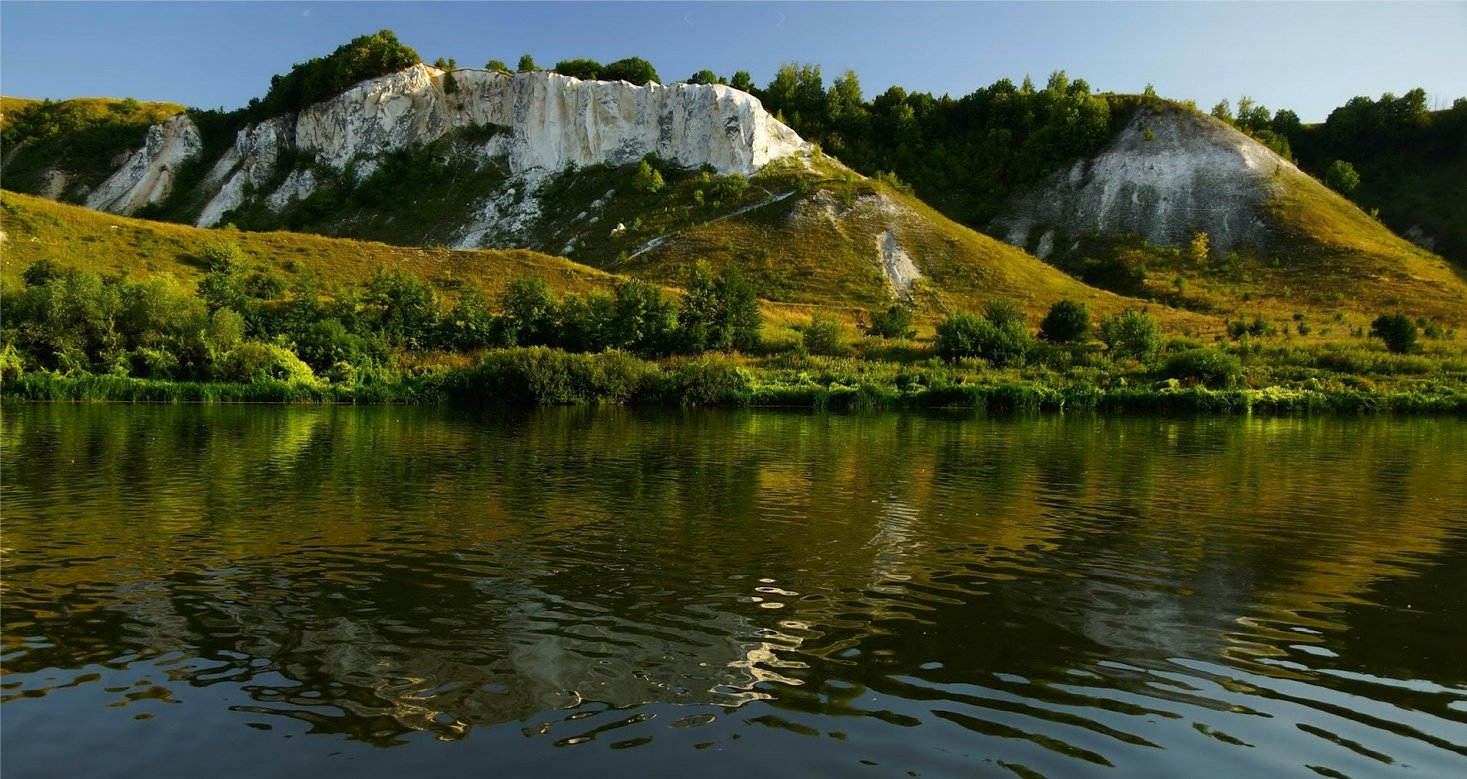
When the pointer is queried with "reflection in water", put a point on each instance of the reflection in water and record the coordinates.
(1054, 596)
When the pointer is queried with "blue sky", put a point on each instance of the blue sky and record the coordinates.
(1307, 56)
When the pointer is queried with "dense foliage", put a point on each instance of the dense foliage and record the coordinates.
(1000, 336)
(245, 325)
(81, 138)
(967, 154)
(633, 69)
(321, 78)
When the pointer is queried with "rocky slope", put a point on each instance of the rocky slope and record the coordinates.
(1167, 175)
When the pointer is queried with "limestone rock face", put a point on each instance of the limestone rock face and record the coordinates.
(553, 120)
(250, 162)
(546, 121)
(1170, 173)
(148, 175)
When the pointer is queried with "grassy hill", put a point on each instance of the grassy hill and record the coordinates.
(74, 237)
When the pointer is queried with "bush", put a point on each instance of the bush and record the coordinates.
(253, 361)
(711, 381)
(1341, 177)
(1211, 367)
(1005, 342)
(553, 377)
(1397, 331)
(1133, 334)
(958, 336)
(895, 322)
(824, 335)
(1066, 322)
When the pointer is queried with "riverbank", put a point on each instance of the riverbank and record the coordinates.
(543, 376)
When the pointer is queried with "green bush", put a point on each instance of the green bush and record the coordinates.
(1341, 177)
(545, 376)
(1066, 322)
(711, 381)
(1211, 367)
(959, 335)
(895, 322)
(825, 335)
(1397, 331)
(1132, 334)
(254, 361)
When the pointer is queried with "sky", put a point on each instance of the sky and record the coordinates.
(1308, 56)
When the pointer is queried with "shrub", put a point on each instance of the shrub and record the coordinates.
(824, 335)
(1341, 177)
(1397, 331)
(1066, 322)
(895, 322)
(1134, 334)
(711, 381)
(254, 361)
(1211, 367)
(553, 377)
(529, 312)
(958, 336)
(647, 178)
(1002, 342)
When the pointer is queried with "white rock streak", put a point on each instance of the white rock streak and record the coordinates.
(148, 175)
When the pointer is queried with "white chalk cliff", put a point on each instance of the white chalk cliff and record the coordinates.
(548, 122)
(1169, 174)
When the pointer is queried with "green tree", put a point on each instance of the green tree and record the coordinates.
(633, 69)
(742, 80)
(1066, 322)
(1397, 331)
(1199, 248)
(703, 76)
(647, 178)
(825, 335)
(584, 69)
(498, 66)
(1341, 177)
(527, 64)
(894, 322)
(529, 312)
(1132, 334)
(1223, 110)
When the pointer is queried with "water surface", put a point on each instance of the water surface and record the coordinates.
(257, 591)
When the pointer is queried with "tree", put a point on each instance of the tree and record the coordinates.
(1223, 110)
(498, 66)
(584, 69)
(742, 80)
(529, 312)
(895, 322)
(527, 64)
(1341, 177)
(704, 76)
(1134, 334)
(719, 313)
(647, 178)
(1199, 248)
(825, 335)
(1397, 331)
(1066, 322)
(633, 69)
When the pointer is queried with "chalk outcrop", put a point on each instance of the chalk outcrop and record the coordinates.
(1169, 174)
(149, 173)
(544, 123)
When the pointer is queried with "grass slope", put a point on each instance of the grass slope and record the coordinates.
(65, 149)
(74, 237)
